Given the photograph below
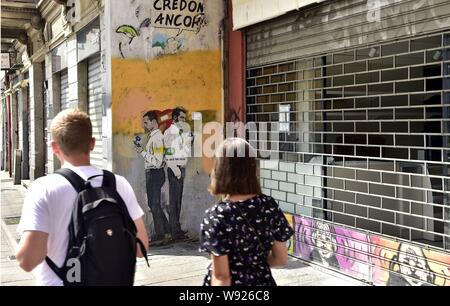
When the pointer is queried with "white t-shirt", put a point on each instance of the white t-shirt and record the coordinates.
(48, 208)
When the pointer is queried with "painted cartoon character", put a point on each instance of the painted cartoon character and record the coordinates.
(325, 245)
(133, 38)
(166, 46)
(409, 267)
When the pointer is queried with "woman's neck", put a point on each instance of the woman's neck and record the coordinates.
(239, 197)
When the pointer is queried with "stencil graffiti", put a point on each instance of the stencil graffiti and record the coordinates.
(165, 148)
(156, 69)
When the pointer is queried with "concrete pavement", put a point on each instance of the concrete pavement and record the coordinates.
(177, 264)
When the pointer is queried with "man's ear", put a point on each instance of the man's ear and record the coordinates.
(92, 144)
(55, 148)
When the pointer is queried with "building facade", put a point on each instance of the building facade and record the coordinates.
(355, 97)
(117, 60)
(351, 100)
(55, 64)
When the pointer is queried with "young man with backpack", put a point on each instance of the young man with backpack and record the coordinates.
(81, 225)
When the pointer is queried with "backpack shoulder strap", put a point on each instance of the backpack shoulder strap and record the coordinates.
(109, 179)
(55, 268)
(74, 179)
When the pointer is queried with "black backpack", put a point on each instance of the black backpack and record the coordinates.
(102, 236)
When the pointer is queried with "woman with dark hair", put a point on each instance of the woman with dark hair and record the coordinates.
(245, 233)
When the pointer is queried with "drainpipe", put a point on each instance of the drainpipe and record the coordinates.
(8, 105)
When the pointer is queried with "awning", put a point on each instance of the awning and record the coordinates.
(249, 12)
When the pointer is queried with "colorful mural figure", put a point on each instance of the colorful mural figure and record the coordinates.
(323, 238)
(370, 258)
(403, 264)
(331, 246)
(290, 242)
(410, 268)
(316, 241)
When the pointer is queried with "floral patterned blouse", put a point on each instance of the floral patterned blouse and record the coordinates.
(225, 230)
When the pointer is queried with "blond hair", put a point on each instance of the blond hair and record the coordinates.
(71, 129)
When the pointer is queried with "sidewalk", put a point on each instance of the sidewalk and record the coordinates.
(178, 264)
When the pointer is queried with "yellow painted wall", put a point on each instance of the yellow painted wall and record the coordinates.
(191, 79)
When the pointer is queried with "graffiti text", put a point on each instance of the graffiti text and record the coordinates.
(178, 14)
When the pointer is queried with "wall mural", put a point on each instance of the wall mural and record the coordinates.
(371, 258)
(404, 264)
(290, 242)
(332, 246)
(165, 148)
(178, 15)
(166, 75)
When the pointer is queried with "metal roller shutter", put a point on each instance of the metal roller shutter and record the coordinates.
(359, 109)
(95, 108)
(64, 90)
